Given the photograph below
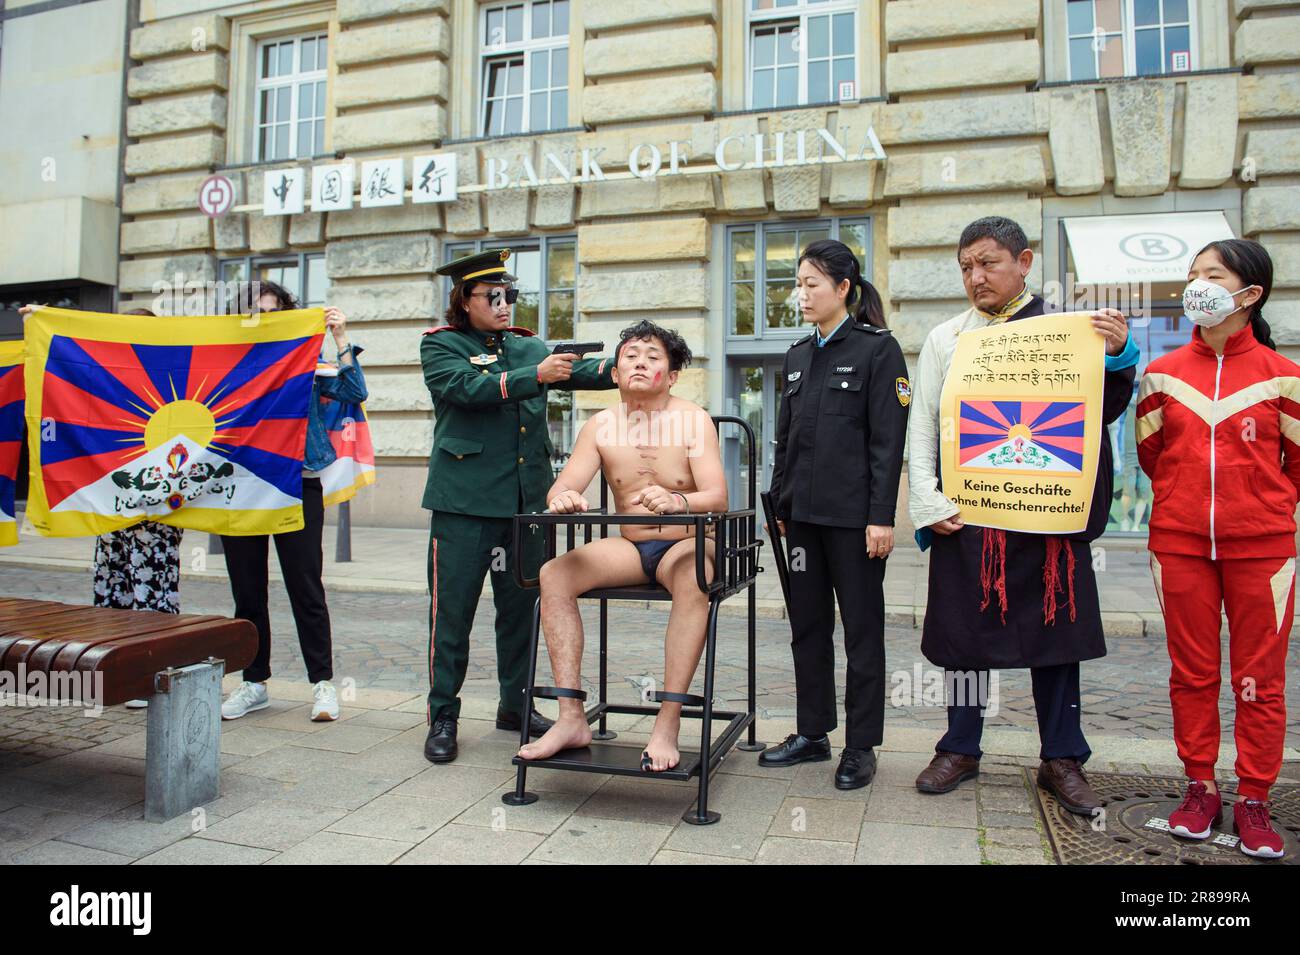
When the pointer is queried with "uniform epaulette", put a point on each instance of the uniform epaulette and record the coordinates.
(864, 327)
(526, 332)
(804, 340)
(440, 328)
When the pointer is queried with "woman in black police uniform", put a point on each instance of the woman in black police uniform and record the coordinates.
(839, 452)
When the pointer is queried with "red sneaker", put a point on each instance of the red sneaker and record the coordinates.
(1255, 829)
(1200, 812)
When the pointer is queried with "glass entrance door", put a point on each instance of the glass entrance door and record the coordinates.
(754, 394)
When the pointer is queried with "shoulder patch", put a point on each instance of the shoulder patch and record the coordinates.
(525, 332)
(903, 388)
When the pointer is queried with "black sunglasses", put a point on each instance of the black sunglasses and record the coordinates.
(511, 294)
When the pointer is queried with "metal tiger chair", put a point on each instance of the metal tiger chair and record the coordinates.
(736, 565)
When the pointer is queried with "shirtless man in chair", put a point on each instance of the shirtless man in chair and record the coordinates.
(659, 455)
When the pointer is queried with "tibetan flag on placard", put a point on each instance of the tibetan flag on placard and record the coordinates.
(197, 422)
(349, 432)
(11, 434)
(1032, 437)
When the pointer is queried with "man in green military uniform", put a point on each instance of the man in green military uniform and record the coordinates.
(491, 459)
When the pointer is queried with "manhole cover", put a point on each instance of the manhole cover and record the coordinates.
(1133, 829)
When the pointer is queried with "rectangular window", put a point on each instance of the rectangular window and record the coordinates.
(547, 273)
(524, 48)
(801, 52)
(762, 262)
(1112, 38)
(302, 274)
(289, 120)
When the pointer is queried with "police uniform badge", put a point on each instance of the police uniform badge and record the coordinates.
(482, 359)
(904, 391)
(793, 376)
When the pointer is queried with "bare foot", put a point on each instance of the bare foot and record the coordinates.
(662, 748)
(567, 733)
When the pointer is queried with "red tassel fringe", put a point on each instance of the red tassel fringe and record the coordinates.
(1052, 578)
(993, 568)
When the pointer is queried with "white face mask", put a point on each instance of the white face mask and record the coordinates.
(1208, 304)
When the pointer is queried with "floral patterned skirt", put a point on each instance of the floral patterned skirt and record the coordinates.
(139, 568)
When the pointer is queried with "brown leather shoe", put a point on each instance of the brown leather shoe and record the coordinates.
(1064, 779)
(946, 772)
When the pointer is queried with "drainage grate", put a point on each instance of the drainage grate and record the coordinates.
(1134, 829)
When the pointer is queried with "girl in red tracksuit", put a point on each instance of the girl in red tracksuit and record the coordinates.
(1218, 428)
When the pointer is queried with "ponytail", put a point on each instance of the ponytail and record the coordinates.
(870, 310)
(1263, 334)
(837, 262)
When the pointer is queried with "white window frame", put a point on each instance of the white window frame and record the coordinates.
(293, 80)
(800, 11)
(525, 48)
(1128, 32)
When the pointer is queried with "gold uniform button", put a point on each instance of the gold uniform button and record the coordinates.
(460, 457)
(521, 460)
(523, 430)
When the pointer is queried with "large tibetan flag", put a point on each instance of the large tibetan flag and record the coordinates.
(349, 432)
(197, 422)
(1020, 416)
(1035, 437)
(11, 434)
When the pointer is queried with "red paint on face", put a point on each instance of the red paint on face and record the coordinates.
(658, 376)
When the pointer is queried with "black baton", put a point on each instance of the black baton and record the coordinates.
(778, 544)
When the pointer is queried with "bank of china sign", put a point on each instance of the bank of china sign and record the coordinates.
(434, 177)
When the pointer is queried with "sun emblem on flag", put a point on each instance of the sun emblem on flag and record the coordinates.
(1044, 437)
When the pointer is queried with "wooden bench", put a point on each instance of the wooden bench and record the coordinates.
(101, 657)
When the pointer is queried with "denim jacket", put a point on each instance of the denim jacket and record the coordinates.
(349, 386)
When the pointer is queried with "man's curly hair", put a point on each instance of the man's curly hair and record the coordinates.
(679, 353)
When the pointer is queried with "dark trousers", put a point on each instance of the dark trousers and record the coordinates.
(463, 550)
(828, 563)
(301, 563)
(1056, 703)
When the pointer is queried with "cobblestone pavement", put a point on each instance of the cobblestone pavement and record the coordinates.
(359, 790)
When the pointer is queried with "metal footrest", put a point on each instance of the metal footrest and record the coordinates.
(613, 758)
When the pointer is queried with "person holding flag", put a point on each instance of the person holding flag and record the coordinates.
(491, 459)
(299, 552)
(993, 597)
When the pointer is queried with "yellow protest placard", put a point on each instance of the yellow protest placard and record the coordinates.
(1021, 424)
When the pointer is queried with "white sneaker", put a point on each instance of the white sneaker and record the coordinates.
(246, 698)
(326, 702)
(136, 704)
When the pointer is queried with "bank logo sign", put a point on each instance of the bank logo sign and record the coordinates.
(435, 177)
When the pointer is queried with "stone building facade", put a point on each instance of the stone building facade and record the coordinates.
(1028, 108)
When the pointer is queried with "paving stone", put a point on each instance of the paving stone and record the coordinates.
(1005, 798)
(603, 841)
(1008, 855)
(1006, 820)
(455, 844)
(893, 804)
(543, 816)
(291, 764)
(348, 737)
(803, 817)
(195, 851)
(126, 833)
(55, 852)
(272, 824)
(342, 790)
(817, 780)
(777, 850)
(408, 819)
(670, 857)
(738, 834)
(254, 740)
(336, 848)
(453, 779)
(891, 843)
(1013, 837)
(658, 801)
(728, 793)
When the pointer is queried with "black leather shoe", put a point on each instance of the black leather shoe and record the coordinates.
(796, 749)
(537, 723)
(440, 744)
(857, 767)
